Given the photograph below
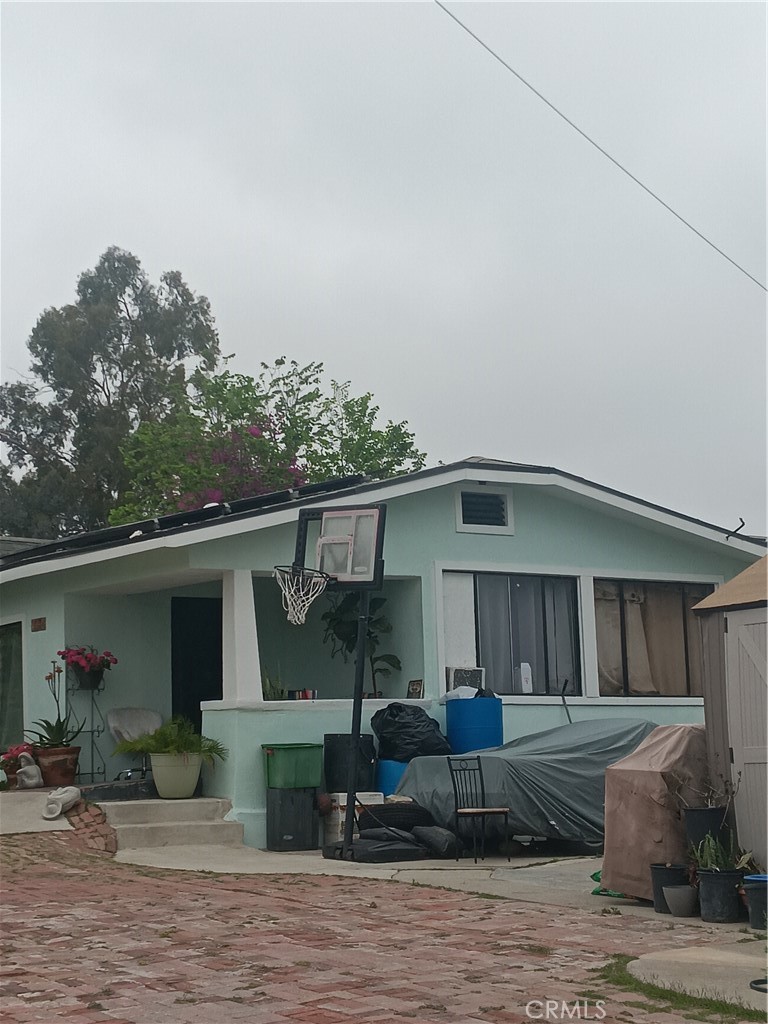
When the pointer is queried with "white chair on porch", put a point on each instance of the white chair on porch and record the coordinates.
(129, 724)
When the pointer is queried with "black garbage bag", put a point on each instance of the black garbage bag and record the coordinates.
(405, 732)
(439, 841)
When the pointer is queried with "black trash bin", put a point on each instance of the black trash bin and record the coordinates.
(292, 820)
(336, 762)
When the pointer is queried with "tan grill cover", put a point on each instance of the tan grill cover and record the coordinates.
(643, 822)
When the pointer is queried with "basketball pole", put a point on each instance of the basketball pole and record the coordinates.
(357, 717)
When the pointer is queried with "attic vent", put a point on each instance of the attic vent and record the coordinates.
(481, 509)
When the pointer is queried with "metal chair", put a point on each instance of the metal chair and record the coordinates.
(470, 802)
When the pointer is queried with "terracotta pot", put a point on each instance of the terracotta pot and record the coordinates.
(10, 776)
(88, 680)
(58, 764)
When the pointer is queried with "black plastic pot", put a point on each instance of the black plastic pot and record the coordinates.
(701, 822)
(719, 896)
(666, 874)
(756, 888)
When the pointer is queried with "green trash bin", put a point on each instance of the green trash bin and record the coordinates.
(293, 765)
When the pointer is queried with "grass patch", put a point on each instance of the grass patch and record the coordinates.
(708, 1010)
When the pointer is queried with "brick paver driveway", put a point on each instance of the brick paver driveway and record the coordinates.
(85, 939)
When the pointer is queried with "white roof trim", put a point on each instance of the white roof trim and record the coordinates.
(220, 528)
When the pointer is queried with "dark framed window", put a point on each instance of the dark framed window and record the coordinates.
(647, 639)
(527, 633)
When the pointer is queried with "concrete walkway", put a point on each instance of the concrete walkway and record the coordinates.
(733, 957)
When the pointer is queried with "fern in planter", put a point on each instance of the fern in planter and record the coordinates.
(341, 632)
(176, 736)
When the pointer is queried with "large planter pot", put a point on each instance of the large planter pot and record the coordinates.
(701, 822)
(719, 896)
(176, 775)
(682, 900)
(756, 888)
(666, 874)
(10, 777)
(58, 765)
(88, 680)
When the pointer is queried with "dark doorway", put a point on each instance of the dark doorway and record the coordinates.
(195, 654)
(11, 692)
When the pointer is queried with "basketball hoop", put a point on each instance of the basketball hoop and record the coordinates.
(300, 586)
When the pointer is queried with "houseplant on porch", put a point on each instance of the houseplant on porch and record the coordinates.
(177, 752)
(52, 740)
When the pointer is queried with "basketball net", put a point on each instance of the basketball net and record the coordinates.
(300, 587)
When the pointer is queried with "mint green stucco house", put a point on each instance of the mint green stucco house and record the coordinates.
(551, 582)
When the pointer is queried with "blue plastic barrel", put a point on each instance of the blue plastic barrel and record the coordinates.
(475, 723)
(388, 775)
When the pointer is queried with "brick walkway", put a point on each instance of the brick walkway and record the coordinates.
(87, 940)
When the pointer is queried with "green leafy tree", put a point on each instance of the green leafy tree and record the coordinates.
(237, 436)
(117, 358)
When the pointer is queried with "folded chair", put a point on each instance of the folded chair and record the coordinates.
(470, 802)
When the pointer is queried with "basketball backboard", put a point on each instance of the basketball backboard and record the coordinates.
(348, 544)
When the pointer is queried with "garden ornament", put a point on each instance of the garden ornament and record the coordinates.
(29, 775)
(60, 800)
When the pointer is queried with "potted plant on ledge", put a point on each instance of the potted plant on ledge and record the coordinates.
(177, 752)
(52, 740)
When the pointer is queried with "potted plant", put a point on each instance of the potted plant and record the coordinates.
(88, 665)
(720, 869)
(177, 752)
(341, 632)
(10, 763)
(52, 741)
(705, 811)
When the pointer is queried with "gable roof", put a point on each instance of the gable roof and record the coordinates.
(747, 590)
(227, 518)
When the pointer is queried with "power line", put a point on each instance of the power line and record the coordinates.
(597, 146)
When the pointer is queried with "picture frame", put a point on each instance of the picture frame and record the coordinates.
(415, 689)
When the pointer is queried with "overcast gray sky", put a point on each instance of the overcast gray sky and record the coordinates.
(364, 185)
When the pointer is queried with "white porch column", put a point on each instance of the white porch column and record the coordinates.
(241, 667)
(591, 683)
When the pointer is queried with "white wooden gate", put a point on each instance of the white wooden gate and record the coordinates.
(746, 652)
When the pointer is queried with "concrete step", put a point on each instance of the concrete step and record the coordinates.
(163, 812)
(179, 833)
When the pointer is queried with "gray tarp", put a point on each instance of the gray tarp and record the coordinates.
(553, 782)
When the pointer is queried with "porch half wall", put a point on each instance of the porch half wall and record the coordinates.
(243, 730)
